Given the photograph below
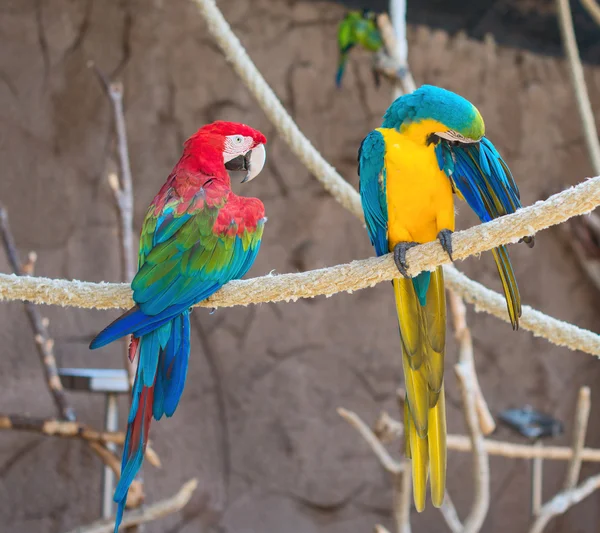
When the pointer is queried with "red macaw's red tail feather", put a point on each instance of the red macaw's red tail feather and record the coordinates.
(135, 443)
(133, 346)
(159, 382)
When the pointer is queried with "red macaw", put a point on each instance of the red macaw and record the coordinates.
(197, 236)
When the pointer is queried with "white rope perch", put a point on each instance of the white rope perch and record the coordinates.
(363, 273)
(235, 53)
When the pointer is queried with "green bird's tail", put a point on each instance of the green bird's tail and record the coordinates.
(421, 307)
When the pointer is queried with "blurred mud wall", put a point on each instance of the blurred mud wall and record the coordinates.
(257, 424)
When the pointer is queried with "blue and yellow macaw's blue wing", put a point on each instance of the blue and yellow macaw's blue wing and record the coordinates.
(372, 187)
(481, 177)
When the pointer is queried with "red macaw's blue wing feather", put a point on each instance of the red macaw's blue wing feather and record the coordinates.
(188, 250)
(480, 175)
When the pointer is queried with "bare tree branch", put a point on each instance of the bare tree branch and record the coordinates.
(582, 415)
(66, 429)
(391, 64)
(481, 466)
(450, 515)
(402, 492)
(389, 464)
(123, 194)
(583, 236)
(586, 113)
(146, 514)
(593, 9)
(39, 325)
(463, 336)
(563, 501)
(400, 471)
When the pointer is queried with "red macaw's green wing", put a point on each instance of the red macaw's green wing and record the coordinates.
(188, 250)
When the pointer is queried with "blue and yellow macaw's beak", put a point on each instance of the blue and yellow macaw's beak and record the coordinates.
(454, 136)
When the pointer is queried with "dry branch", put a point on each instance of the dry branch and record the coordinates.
(123, 195)
(583, 236)
(582, 415)
(463, 336)
(389, 464)
(461, 443)
(39, 325)
(400, 471)
(450, 515)
(481, 463)
(394, 39)
(67, 429)
(563, 501)
(146, 514)
(586, 113)
(593, 9)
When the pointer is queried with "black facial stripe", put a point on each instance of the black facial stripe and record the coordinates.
(237, 163)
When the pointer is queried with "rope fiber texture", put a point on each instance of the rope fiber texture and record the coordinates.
(358, 274)
(364, 273)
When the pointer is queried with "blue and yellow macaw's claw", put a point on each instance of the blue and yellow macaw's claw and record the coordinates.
(431, 144)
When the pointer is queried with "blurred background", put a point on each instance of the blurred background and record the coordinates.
(257, 424)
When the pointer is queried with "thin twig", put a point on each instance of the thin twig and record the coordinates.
(582, 416)
(402, 492)
(123, 195)
(39, 325)
(463, 336)
(593, 9)
(481, 466)
(397, 45)
(135, 495)
(389, 464)
(400, 471)
(450, 515)
(147, 514)
(586, 113)
(67, 429)
(461, 443)
(583, 236)
(563, 501)
(537, 480)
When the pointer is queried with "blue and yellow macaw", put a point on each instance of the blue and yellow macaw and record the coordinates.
(357, 28)
(431, 144)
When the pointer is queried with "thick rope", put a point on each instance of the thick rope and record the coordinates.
(364, 273)
(236, 54)
(306, 152)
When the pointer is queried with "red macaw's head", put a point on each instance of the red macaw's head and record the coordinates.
(242, 148)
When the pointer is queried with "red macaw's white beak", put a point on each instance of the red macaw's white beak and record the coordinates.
(252, 162)
(258, 156)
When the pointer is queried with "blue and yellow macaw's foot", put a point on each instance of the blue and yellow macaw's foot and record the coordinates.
(529, 241)
(400, 256)
(445, 238)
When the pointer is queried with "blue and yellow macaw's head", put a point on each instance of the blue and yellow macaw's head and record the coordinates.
(435, 111)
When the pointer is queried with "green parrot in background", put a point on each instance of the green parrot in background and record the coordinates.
(357, 28)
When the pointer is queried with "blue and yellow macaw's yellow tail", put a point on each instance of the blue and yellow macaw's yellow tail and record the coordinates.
(421, 307)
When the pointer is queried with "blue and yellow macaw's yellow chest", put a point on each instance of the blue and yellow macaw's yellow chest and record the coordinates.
(431, 144)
